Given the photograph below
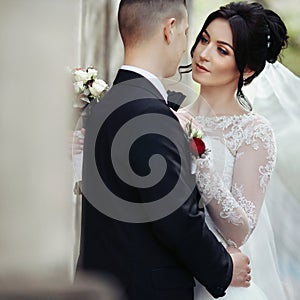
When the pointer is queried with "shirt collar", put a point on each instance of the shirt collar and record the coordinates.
(151, 77)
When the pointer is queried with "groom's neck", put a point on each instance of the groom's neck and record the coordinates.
(147, 58)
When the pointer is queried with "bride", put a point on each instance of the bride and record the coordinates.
(231, 50)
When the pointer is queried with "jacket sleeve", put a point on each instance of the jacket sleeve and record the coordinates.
(183, 229)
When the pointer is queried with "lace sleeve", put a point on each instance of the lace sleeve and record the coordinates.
(235, 211)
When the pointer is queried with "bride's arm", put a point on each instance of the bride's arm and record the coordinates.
(235, 211)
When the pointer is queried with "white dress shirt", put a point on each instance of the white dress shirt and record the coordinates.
(151, 77)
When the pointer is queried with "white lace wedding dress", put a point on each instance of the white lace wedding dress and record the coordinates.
(233, 187)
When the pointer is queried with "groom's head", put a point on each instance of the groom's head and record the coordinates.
(162, 23)
(138, 19)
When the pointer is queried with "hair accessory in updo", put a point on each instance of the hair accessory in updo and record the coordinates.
(269, 41)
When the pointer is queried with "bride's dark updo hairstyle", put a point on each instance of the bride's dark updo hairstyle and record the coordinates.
(259, 35)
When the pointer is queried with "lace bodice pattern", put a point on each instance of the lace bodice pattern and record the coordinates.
(234, 177)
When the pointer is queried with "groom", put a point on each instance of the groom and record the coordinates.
(142, 223)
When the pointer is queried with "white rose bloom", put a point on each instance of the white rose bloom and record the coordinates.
(98, 87)
(80, 75)
(92, 74)
(196, 133)
(78, 86)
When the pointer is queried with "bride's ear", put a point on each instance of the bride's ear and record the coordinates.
(169, 30)
(247, 73)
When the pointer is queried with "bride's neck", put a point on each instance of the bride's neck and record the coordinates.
(218, 101)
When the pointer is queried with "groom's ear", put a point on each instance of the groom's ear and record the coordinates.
(169, 30)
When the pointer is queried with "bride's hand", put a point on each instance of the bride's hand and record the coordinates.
(241, 270)
(76, 141)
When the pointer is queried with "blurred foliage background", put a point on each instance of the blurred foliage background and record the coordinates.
(289, 11)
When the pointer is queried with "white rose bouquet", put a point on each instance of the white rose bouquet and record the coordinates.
(88, 91)
(87, 87)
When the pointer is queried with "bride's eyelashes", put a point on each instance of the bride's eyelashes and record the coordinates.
(205, 41)
(223, 51)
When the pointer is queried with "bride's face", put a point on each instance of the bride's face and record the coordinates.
(213, 61)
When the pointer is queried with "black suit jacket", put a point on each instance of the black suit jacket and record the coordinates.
(157, 259)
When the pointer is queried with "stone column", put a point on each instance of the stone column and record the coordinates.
(101, 44)
(39, 42)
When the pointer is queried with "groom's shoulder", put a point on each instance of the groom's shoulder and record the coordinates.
(137, 88)
(137, 95)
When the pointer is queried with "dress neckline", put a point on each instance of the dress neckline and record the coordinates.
(224, 117)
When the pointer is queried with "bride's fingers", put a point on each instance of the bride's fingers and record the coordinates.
(248, 280)
(77, 141)
(248, 270)
(248, 260)
(247, 283)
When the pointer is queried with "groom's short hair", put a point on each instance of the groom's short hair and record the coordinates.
(138, 19)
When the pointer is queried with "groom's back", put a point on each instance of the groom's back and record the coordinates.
(129, 250)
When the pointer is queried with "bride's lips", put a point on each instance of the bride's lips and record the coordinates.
(201, 68)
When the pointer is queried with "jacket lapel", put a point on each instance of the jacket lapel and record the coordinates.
(175, 99)
(137, 79)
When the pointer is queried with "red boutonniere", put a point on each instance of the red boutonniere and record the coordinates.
(197, 145)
